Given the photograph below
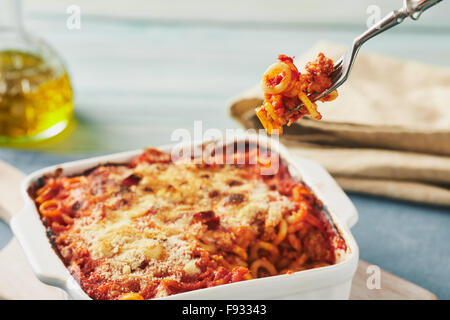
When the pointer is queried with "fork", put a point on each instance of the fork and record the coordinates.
(342, 67)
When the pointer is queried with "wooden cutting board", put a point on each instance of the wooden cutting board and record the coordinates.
(17, 280)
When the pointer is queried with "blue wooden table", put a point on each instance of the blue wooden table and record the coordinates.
(137, 81)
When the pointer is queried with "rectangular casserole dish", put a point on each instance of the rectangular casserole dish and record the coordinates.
(330, 282)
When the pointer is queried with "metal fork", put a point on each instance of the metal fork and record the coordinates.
(342, 67)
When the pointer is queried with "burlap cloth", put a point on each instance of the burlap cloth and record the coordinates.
(388, 132)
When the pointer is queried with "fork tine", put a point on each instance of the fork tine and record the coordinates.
(335, 76)
(338, 64)
(336, 73)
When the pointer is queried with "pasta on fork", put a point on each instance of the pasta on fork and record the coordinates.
(285, 88)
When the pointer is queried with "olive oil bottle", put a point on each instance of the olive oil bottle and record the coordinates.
(36, 100)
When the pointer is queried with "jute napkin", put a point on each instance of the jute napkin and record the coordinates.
(388, 132)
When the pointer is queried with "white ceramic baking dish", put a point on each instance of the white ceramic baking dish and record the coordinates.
(331, 282)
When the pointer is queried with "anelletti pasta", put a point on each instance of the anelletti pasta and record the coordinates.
(286, 88)
(156, 227)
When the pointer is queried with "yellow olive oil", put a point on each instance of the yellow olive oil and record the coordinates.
(36, 100)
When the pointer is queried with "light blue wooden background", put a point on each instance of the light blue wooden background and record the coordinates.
(138, 80)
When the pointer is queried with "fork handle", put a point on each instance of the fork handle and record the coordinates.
(411, 8)
(347, 60)
(416, 8)
(390, 20)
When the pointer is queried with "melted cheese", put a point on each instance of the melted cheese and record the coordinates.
(148, 230)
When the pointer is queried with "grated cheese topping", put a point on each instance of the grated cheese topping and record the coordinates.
(147, 231)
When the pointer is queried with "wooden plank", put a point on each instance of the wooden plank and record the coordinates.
(17, 280)
(391, 287)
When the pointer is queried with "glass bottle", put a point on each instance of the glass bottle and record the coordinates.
(36, 100)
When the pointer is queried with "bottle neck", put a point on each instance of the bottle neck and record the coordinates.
(10, 14)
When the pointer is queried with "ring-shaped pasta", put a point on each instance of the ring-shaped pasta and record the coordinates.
(277, 78)
(240, 252)
(298, 192)
(240, 273)
(44, 194)
(43, 189)
(50, 208)
(300, 214)
(227, 264)
(271, 112)
(267, 246)
(131, 296)
(297, 216)
(66, 218)
(285, 88)
(313, 220)
(264, 118)
(264, 162)
(240, 262)
(294, 227)
(333, 95)
(74, 181)
(295, 241)
(311, 106)
(247, 276)
(207, 247)
(299, 263)
(265, 264)
(282, 231)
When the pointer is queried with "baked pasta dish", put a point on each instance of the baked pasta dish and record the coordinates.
(155, 227)
(289, 94)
